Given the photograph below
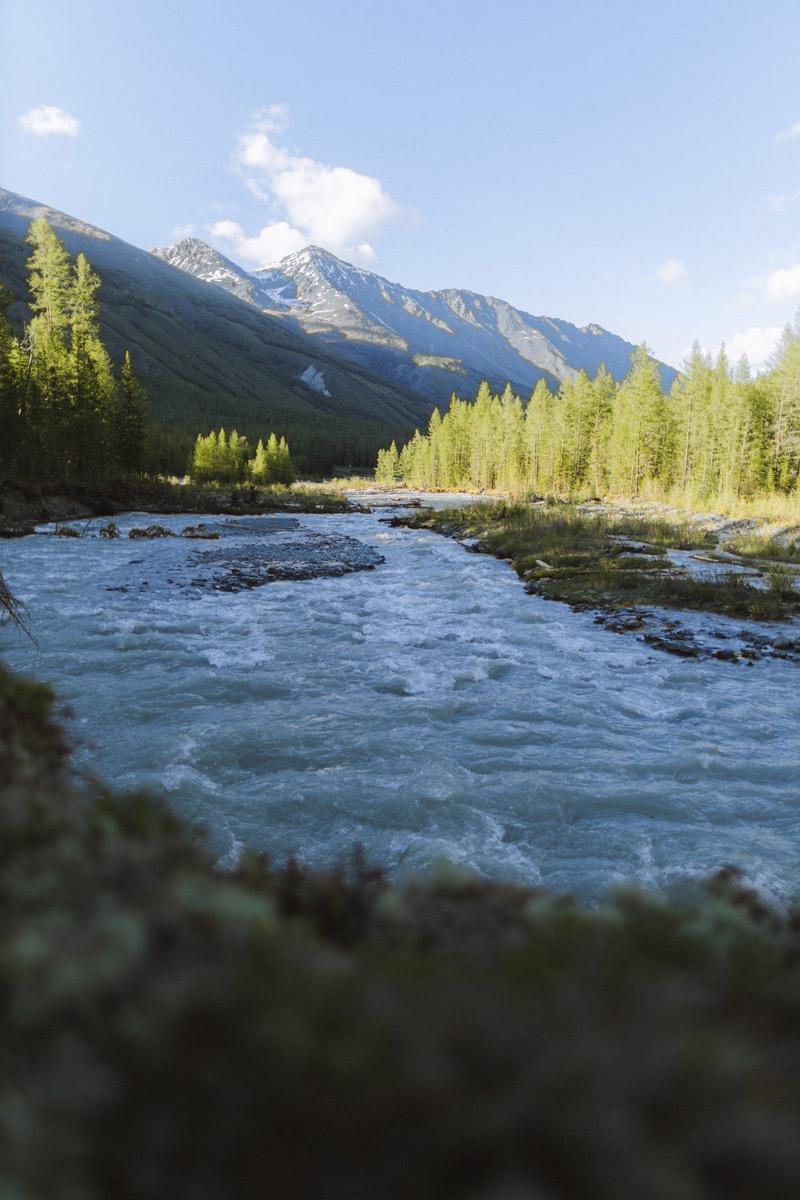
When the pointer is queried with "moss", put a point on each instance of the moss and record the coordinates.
(169, 1030)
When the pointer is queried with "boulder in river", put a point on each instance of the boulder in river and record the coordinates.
(151, 531)
(200, 532)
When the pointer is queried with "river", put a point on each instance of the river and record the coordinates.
(425, 709)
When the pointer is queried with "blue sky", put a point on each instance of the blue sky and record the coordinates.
(634, 164)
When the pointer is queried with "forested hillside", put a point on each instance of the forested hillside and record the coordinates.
(719, 432)
(65, 411)
(207, 358)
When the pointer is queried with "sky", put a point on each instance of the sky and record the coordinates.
(636, 164)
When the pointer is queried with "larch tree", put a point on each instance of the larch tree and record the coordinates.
(129, 421)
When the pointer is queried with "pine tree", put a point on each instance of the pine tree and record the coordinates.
(603, 390)
(537, 424)
(637, 441)
(259, 467)
(285, 467)
(129, 421)
(92, 384)
(11, 429)
(46, 397)
(49, 282)
(785, 389)
(388, 465)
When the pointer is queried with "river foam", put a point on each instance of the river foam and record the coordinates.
(427, 708)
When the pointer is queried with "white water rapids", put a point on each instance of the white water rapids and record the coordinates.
(427, 708)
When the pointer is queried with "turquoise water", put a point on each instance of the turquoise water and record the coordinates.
(428, 708)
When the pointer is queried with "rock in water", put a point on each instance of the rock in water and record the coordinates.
(287, 554)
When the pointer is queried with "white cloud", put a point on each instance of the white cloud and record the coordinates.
(672, 271)
(783, 283)
(182, 231)
(790, 134)
(335, 207)
(268, 245)
(757, 343)
(48, 119)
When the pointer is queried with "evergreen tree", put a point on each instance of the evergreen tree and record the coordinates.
(219, 458)
(129, 421)
(10, 388)
(46, 396)
(92, 383)
(284, 468)
(57, 388)
(49, 283)
(785, 389)
(259, 467)
(388, 467)
(638, 442)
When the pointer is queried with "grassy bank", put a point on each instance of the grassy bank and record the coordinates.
(26, 504)
(171, 1031)
(611, 560)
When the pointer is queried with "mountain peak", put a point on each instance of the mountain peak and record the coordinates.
(197, 258)
(314, 257)
(190, 243)
(436, 341)
(186, 245)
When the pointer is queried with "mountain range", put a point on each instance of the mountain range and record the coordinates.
(434, 342)
(206, 356)
(311, 346)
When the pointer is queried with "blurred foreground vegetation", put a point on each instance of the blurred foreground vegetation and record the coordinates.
(171, 1031)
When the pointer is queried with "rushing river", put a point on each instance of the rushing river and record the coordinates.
(426, 709)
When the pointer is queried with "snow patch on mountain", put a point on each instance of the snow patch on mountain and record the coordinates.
(314, 379)
(399, 331)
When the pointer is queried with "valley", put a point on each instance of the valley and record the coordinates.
(399, 601)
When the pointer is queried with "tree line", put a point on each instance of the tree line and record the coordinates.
(64, 411)
(230, 459)
(719, 432)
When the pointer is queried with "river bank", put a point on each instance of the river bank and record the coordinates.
(634, 571)
(23, 506)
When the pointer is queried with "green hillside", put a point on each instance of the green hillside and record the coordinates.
(207, 358)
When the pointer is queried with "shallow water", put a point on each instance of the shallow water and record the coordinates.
(428, 708)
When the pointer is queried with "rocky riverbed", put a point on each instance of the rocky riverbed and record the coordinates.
(285, 550)
(679, 588)
(230, 555)
(424, 708)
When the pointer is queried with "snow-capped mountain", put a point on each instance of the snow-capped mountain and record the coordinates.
(212, 355)
(434, 342)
